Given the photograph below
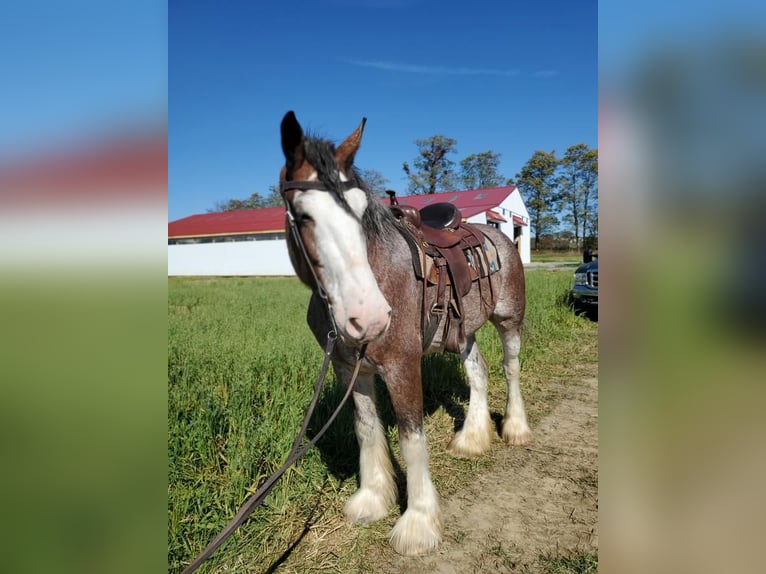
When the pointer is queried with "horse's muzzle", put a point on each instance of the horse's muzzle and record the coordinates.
(366, 327)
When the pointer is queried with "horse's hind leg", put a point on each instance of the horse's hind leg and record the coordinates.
(476, 435)
(515, 428)
(377, 489)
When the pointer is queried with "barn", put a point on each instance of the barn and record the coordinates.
(252, 241)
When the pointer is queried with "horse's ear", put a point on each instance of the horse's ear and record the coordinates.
(292, 141)
(347, 150)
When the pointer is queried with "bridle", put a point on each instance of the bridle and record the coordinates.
(305, 185)
(298, 449)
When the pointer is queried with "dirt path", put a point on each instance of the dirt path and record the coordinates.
(536, 501)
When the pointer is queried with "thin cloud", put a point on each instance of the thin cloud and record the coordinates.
(546, 73)
(430, 70)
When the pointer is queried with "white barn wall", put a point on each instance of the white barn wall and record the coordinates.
(513, 204)
(478, 218)
(230, 258)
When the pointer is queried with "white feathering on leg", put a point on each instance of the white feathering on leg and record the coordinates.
(515, 427)
(419, 529)
(476, 435)
(377, 491)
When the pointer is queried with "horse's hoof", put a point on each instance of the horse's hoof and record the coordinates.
(516, 433)
(366, 506)
(416, 532)
(469, 443)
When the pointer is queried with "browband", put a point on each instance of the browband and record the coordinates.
(286, 186)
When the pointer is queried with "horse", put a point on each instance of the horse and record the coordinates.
(353, 253)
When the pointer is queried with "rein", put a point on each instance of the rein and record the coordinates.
(297, 450)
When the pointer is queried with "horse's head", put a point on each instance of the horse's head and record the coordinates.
(324, 195)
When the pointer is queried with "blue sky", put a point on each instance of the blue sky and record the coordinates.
(74, 69)
(510, 77)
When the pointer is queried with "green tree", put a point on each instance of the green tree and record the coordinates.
(480, 170)
(255, 201)
(537, 183)
(578, 184)
(433, 170)
(274, 198)
(590, 199)
(376, 183)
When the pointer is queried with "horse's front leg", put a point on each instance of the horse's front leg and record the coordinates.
(419, 529)
(377, 488)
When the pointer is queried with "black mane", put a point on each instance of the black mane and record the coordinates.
(320, 153)
(378, 220)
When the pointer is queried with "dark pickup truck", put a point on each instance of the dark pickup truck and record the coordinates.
(585, 288)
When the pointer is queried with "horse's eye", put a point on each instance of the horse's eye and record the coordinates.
(304, 218)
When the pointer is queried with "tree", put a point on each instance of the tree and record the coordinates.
(434, 170)
(376, 183)
(255, 201)
(578, 184)
(537, 183)
(480, 170)
(590, 196)
(274, 199)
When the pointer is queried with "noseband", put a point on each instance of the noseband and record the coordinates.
(286, 186)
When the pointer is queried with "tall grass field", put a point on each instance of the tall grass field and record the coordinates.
(241, 370)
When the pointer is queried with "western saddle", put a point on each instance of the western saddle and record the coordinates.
(446, 253)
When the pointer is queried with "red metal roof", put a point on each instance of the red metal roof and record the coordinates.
(272, 219)
(267, 219)
(495, 216)
(469, 202)
(519, 220)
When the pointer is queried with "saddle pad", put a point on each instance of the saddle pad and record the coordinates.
(475, 261)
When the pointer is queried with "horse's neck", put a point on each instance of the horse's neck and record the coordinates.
(389, 255)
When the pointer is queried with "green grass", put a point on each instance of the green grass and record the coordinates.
(550, 256)
(241, 369)
(572, 563)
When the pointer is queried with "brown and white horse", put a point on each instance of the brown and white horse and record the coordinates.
(356, 256)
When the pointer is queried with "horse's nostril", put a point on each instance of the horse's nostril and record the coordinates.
(354, 322)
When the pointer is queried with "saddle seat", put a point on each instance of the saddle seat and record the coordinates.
(441, 216)
(439, 223)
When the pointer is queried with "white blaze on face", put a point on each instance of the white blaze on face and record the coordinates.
(361, 312)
